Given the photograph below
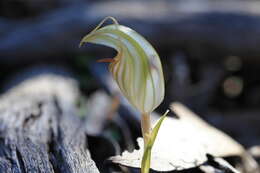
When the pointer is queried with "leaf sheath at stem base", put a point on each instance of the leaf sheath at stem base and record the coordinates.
(149, 139)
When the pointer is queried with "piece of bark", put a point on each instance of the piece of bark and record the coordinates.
(215, 28)
(39, 129)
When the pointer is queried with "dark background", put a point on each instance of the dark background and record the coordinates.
(209, 50)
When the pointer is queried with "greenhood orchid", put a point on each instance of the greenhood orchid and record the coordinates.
(136, 68)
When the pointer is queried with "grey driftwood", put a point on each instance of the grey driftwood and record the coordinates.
(39, 129)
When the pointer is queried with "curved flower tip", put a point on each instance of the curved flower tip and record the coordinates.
(137, 67)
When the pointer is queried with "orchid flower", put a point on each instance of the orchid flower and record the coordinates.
(136, 68)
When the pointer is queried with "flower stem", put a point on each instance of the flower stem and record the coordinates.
(146, 127)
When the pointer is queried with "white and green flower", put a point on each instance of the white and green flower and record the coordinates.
(137, 67)
(138, 72)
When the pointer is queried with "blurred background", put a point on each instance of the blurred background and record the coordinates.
(210, 51)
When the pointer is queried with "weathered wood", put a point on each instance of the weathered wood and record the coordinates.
(204, 27)
(39, 129)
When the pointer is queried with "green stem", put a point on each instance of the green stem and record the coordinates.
(146, 127)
